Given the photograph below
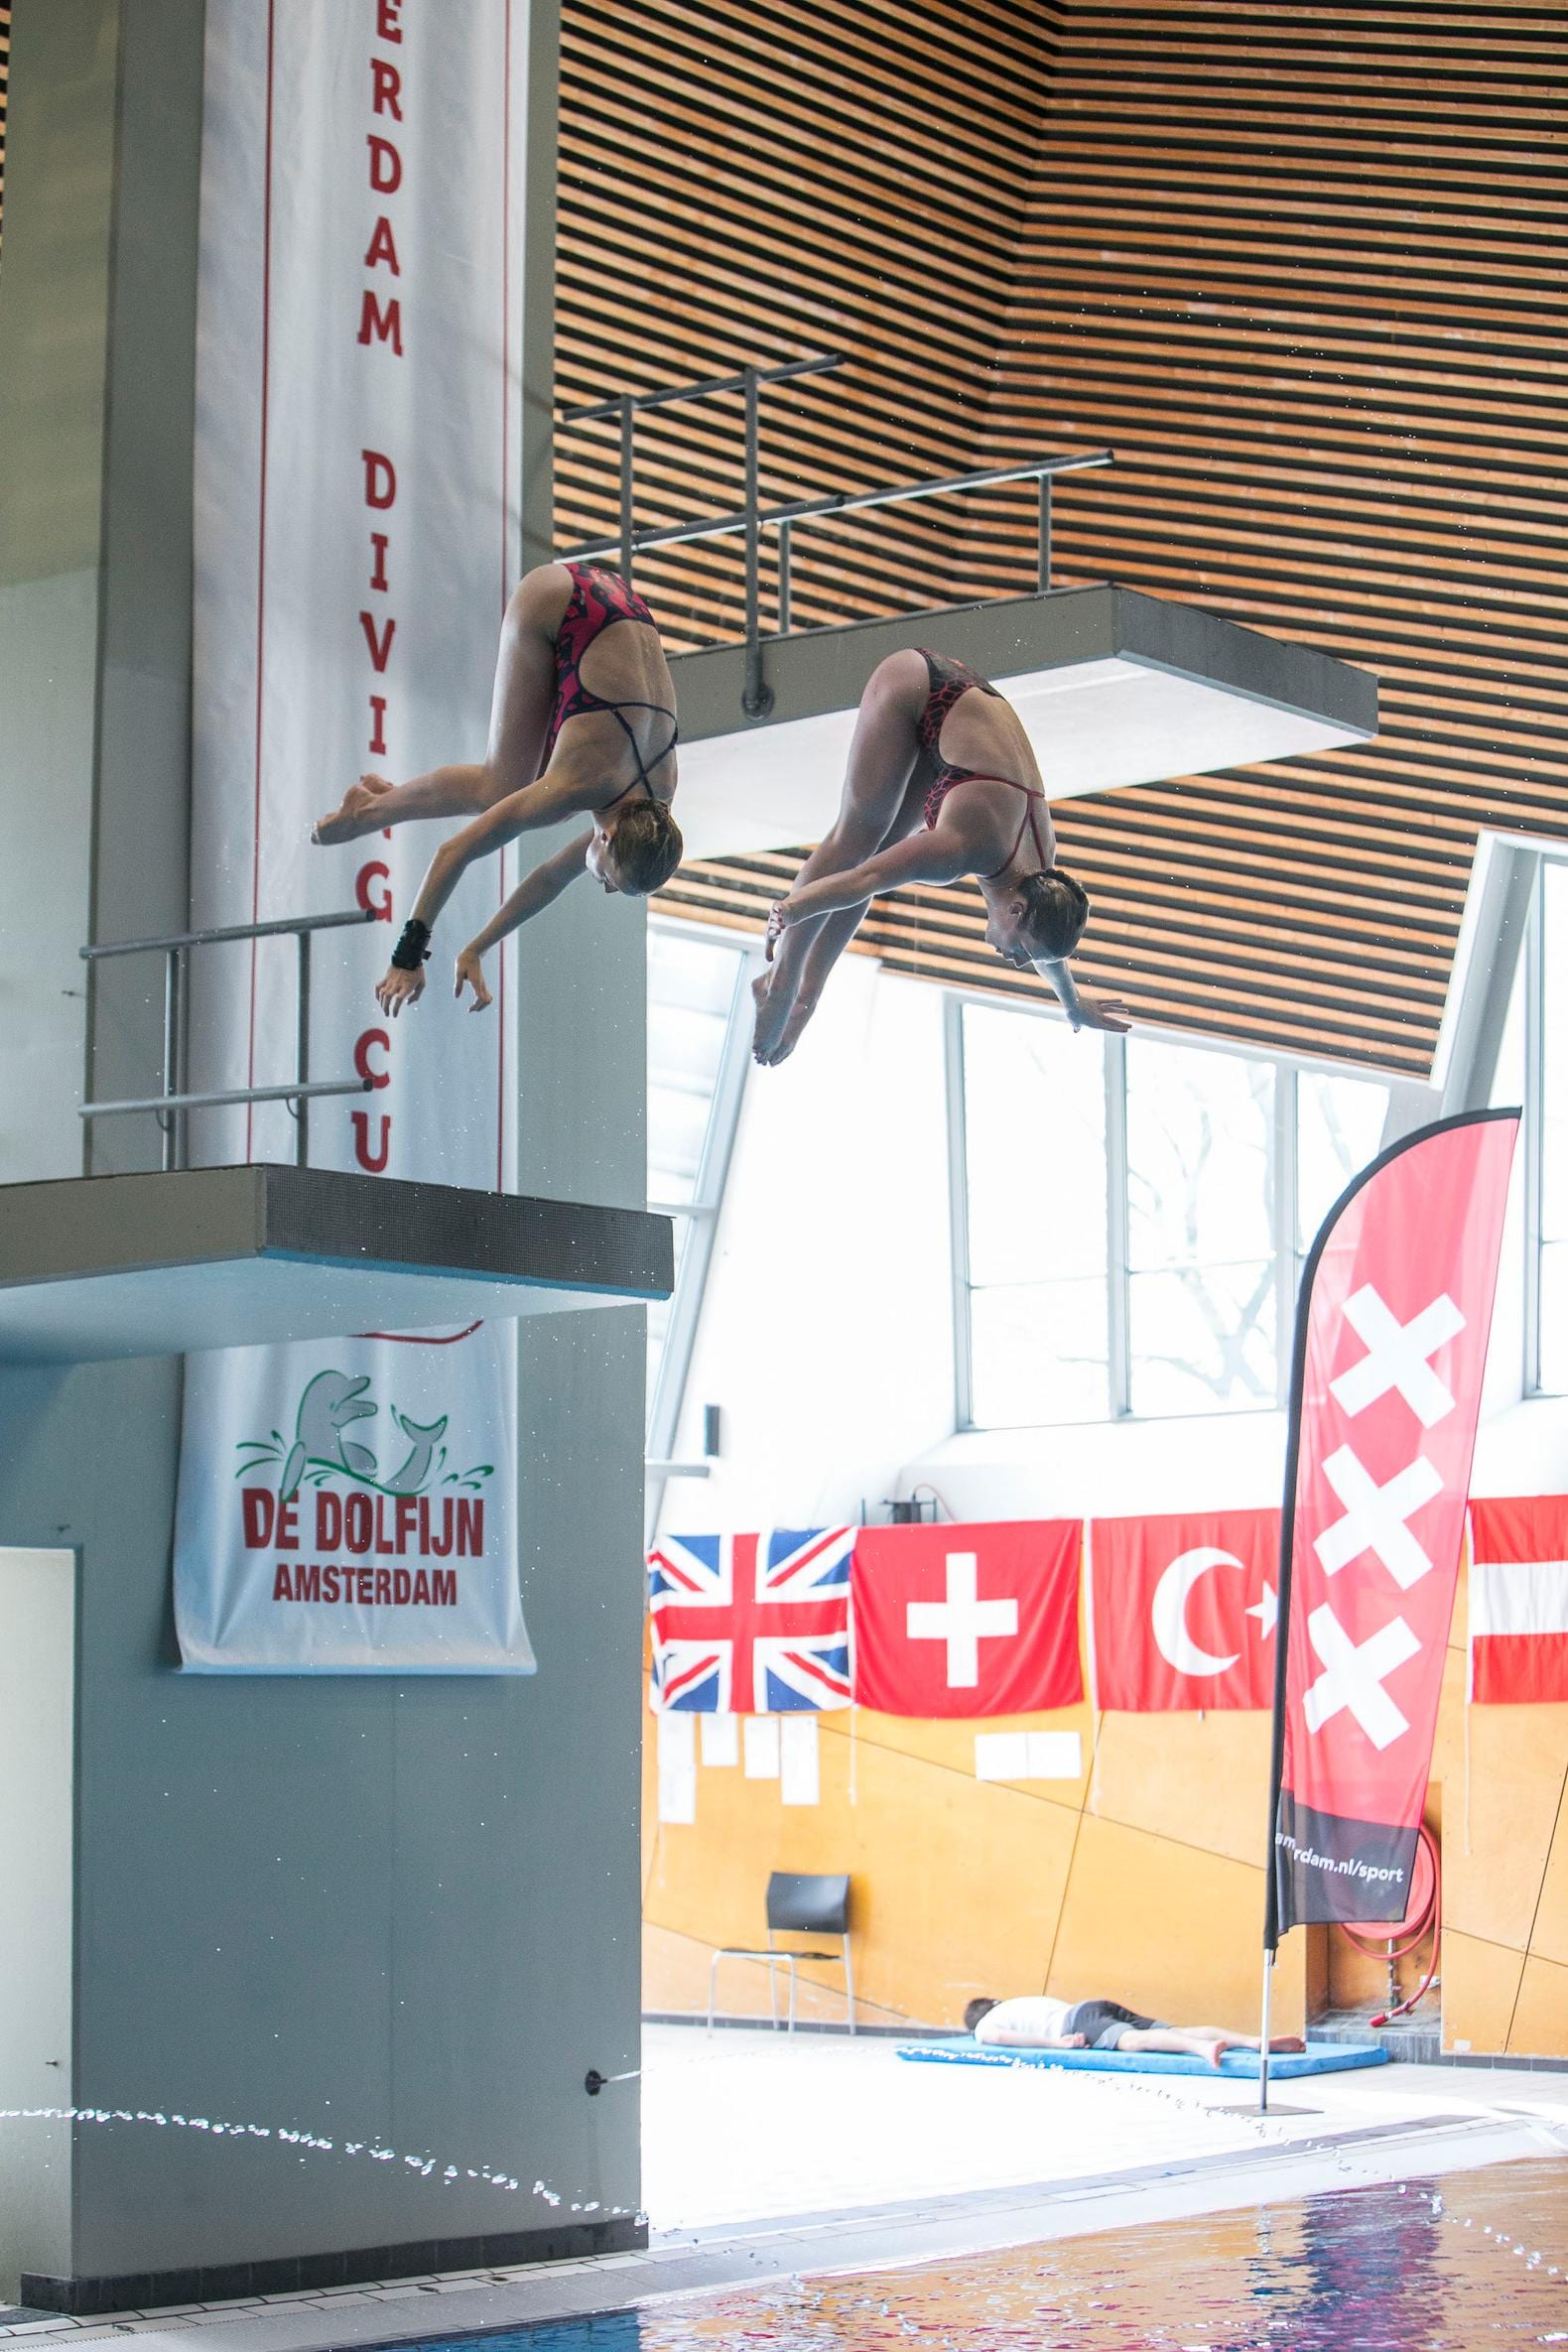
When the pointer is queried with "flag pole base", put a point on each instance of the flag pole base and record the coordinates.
(1263, 2035)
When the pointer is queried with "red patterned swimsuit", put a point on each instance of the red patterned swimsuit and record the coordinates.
(598, 599)
(950, 680)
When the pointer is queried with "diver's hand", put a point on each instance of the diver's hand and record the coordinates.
(470, 974)
(399, 988)
(1102, 1012)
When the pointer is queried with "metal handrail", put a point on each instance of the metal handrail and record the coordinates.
(752, 519)
(281, 929)
(174, 1103)
(727, 526)
(671, 393)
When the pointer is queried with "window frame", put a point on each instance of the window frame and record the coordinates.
(1290, 1255)
(1534, 1126)
(700, 1212)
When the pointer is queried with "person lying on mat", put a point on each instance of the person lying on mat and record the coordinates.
(941, 784)
(583, 724)
(1037, 2023)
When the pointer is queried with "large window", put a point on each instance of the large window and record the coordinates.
(1034, 1234)
(1130, 1217)
(1546, 1133)
(1339, 1128)
(1200, 1254)
(696, 1069)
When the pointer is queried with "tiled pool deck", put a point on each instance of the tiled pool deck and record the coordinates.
(855, 2161)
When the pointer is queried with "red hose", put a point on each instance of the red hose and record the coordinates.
(1412, 1932)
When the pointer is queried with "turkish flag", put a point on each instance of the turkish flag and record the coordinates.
(1390, 1347)
(1182, 1611)
(1518, 1602)
(967, 1620)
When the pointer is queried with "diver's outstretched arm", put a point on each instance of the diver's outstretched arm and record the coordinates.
(922, 857)
(1082, 1013)
(533, 894)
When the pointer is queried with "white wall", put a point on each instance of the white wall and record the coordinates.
(827, 1330)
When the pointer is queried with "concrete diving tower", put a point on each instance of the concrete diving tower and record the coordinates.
(1114, 686)
(103, 1267)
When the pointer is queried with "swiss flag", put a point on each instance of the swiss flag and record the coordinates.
(967, 1620)
(1183, 1611)
(1518, 1601)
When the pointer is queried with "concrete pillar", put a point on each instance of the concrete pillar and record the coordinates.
(97, 370)
(389, 1915)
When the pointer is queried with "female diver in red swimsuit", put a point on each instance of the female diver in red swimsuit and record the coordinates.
(582, 723)
(933, 739)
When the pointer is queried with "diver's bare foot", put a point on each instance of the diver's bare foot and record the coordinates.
(800, 1013)
(353, 816)
(772, 1007)
(1214, 2046)
(1290, 2043)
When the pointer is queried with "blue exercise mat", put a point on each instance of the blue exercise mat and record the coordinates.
(1319, 2057)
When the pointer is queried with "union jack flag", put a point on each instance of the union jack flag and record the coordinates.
(751, 1624)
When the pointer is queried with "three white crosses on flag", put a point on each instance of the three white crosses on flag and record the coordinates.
(1375, 1518)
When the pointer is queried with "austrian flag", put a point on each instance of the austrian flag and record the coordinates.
(751, 1624)
(1518, 1602)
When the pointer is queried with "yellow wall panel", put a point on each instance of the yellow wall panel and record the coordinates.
(1481, 1984)
(1201, 1779)
(675, 1978)
(1549, 1936)
(1170, 1930)
(1540, 2021)
(1448, 1744)
(951, 1744)
(1515, 1786)
(957, 1882)
(961, 1883)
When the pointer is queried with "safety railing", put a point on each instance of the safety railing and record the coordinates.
(753, 519)
(173, 1106)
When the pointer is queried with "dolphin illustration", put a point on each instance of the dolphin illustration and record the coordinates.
(330, 1401)
(423, 1442)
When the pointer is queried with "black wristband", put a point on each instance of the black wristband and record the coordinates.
(413, 949)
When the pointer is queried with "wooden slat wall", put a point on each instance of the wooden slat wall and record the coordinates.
(763, 180)
(1303, 269)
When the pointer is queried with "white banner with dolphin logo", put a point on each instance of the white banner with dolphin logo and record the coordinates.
(349, 1506)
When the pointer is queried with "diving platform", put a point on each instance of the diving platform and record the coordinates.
(96, 1267)
(1114, 686)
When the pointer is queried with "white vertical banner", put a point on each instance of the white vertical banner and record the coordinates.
(351, 1505)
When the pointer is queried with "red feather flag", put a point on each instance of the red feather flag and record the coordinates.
(1390, 1345)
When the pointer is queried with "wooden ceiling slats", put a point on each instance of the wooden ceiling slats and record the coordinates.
(1496, 419)
(1374, 848)
(1280, 331)
(1150, 960)
(1124, 215)
(1350, 105)
(1422, 529)
(1304, 272)
(1188, 904)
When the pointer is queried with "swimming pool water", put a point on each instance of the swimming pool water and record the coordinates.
(1468, 2262)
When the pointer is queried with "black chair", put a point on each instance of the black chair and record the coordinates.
(797, 1904)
